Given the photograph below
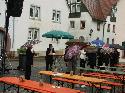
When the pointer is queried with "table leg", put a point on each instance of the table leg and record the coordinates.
(18, 89)
(123, 85)
(4, 88)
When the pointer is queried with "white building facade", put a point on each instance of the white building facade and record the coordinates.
(38, 17)
(83, 24)
(120, 26)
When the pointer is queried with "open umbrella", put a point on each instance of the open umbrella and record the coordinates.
(76, 42)
(58, 35)
(72, 51)
(98, 43)
(117, 46)
(31, 43)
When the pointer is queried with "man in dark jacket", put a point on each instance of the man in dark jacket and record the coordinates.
(49, 57)
(29, 62)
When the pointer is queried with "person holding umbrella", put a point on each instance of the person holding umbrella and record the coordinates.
(82, 58)
(29, 62)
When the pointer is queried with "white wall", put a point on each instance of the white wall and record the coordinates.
(22, 23)
(90, 24)
(2, 13)
(120, 28)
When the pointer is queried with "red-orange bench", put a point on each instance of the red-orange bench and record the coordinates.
(82, 83)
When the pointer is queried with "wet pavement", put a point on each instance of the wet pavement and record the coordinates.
(39, 64)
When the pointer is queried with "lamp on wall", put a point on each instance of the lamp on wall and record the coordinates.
(91, 31)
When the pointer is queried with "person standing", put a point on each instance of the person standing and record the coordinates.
(91, 59)
(49, 57)
(100, 57)
(82, 58)
(29, 62)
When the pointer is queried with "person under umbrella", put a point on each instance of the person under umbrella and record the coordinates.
(49, 57)
(71, 55)
(29, 62)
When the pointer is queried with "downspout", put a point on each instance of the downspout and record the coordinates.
(13, 32)
(103, 34)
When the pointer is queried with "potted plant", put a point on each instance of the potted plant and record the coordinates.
(22, 57)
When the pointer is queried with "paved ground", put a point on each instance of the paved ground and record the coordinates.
(39, 64)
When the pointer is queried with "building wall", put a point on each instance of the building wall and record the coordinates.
(18, 27)
(120, 29)
(2, 13)
(90, 24)
(120, 21)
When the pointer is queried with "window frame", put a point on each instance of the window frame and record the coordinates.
(113, 41)
(98, 26)
(77, 7)
(113, 30)
(108, 27)
(57, 17)
(107, 41)
(81, 25)
(72, 24)
(73, 10)
(35, 8)
(31, 36)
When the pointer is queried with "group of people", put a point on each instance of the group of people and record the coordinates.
(99, 58)
(93, 59)
(102, 57)
(29, 60)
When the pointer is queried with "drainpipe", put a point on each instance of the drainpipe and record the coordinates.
(103, 34)
(13, 32)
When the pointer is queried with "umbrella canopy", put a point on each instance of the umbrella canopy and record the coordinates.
(58, 35)
(76, 42)
(98, 43)
(30, 43)
(91, 49)
(72, 51)
(117, 46)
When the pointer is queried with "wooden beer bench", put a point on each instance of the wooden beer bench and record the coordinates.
(82, 83)
(35, 86)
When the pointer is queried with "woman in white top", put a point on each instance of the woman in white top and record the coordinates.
(82, 58)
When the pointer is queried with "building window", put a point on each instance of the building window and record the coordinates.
(56, 16)
(34, 12)
(113, 41)
(78, 8)
(98, 26)
(108, 28)
(113, 29)
(82, 24)
(73, 1)
(78, 1)
(68, 1)
(33, 33)
(73, 8)
(107, 40)
(72, 24)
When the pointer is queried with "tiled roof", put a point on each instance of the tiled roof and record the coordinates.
(99, 9)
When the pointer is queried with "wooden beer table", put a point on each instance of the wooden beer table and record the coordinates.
(91, 80)
(35, 87)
